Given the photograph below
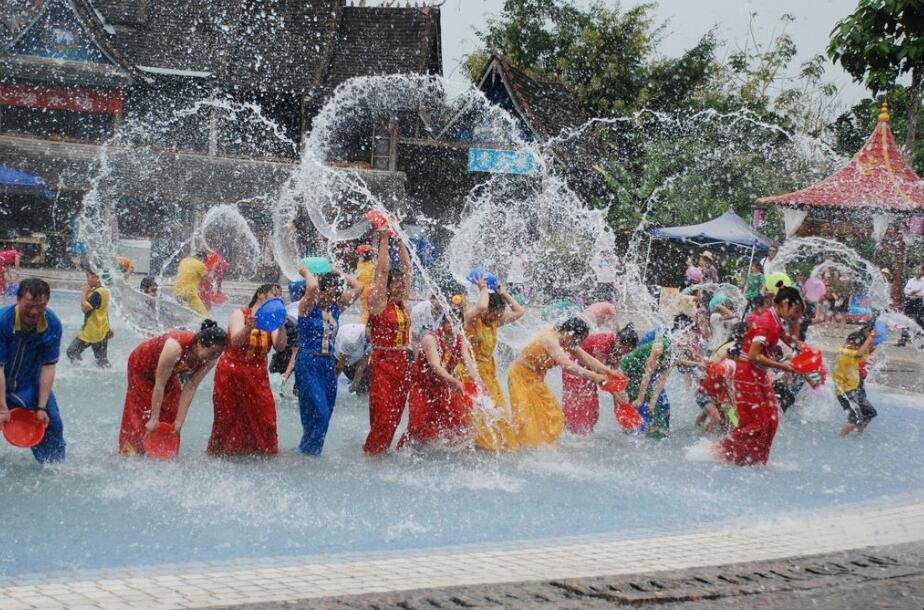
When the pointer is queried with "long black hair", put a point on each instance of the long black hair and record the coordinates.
(263, 289)
(211, 334)
(790, 295)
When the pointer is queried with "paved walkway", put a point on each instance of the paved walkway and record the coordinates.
(278, 580)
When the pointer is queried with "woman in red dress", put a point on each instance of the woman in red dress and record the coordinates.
(389, 325)
(750, 442)
(154, 391)
(437, 407)
(245, 410)
(580, 402)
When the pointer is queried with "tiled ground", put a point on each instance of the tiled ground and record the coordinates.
(294, 579)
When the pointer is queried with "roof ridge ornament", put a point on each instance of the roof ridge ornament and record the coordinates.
(884, 112)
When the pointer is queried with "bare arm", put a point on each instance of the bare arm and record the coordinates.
(404, 258)
(239, 328)
(291, 365)
(515, 311)
(280, 339)
(169, 356)
(563, 359)
(650, 366)
(658, 388)
(480, 308)
(432, 353)
(311, 291)
(349, 296)
(756, 355)
(867, 346)
(589, 362)
(189, 391)
(377, 297)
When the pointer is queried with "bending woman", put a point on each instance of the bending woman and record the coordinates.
(245, 410)
(315, 362)
(389, 326)
(437, 407)
(493, 310)
(537, 414)
(755, 401)
(154, 392)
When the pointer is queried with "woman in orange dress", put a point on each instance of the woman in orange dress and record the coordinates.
(245, 410)
(154, 391)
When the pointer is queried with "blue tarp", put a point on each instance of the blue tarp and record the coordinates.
(18, 181)
(729, 228)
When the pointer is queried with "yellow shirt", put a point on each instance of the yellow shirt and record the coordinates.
(96, 321)
(847, 370)
(365, 275)
(188, 276)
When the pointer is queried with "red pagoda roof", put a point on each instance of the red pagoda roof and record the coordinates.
(876, 177)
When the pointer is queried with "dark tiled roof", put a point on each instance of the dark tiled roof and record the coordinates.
(293, 45)
(376, 40)
(548, 105)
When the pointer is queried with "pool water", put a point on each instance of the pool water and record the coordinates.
(99, 510)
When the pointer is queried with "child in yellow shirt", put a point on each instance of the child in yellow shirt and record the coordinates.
(848, 381)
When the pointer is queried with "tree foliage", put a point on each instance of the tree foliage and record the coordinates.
(878, 43)
(604, 54)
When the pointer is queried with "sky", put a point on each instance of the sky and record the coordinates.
(687, 21)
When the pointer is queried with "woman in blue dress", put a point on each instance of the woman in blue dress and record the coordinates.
(315, 365)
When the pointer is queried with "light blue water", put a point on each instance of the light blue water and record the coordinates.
(99, 510)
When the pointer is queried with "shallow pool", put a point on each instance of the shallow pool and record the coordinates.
(99, 510)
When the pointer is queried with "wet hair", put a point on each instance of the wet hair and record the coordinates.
(790, 295)
(758, 301)
(201, 255)
(682, 321)
(496, 302)
(575, 327)
(34, 287)
(395, 273)
(856, 338)
(210, 334)
(263, 289)
(738, 331)
(147, 282)
(329, 280)
(627, 336)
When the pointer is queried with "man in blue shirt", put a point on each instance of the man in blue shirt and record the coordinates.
(30, 340)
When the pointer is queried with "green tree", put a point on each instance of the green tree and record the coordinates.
(604, 54)
(878, 43)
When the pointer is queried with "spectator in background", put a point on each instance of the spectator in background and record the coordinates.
(9, 263)
(771, 254)
(424, 317)
(707, 264)
(914, 296)
(95, 332)
(149, 286)
(189, 276)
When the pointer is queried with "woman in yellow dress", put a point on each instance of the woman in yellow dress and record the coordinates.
(536, 414)
(493, 310)
(189, 275)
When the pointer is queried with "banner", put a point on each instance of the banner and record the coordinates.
(77, 100)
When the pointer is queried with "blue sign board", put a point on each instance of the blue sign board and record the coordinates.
(496, 161)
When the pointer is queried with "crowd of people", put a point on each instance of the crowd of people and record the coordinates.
(435, 360)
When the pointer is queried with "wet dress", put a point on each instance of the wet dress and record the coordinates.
(142, 371)
(580, 397)
(633, 366)
(758, 418)
(487, 432)
(316, 375)
(537, 416)
(389, 368)
(245, 410)
(436, 410)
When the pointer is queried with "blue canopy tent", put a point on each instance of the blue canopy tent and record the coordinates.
(20, 183)
(728, 230)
